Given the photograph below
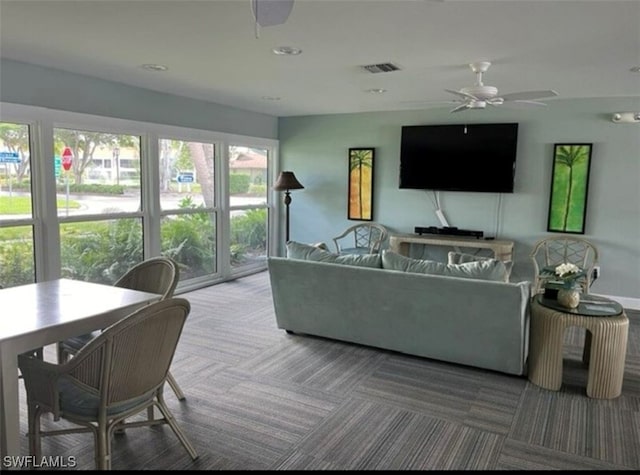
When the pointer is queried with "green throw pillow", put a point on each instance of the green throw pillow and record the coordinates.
(462, 258)
(483, 270)
(296, 250)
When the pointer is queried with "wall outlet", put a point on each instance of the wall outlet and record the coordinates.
(596, 272)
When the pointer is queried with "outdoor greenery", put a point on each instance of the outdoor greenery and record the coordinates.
(101, 251)
(22, 204)
(25, 185)
(239, 183)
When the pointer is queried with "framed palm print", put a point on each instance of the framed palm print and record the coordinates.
(360, 199)
(569, 188)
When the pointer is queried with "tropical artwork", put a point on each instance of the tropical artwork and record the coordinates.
(569, 188)
(361, 184)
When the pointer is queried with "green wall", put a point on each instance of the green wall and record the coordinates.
(316, 149)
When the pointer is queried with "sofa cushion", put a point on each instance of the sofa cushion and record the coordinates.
(492, 269)
(462, 258)
(297, 250)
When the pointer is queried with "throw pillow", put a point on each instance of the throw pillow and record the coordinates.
(462, 258)
(296, 250)
(483, 270)
(321, 245)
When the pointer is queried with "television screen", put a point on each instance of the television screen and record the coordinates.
(472, 157)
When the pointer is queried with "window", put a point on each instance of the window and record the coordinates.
(97, 195)
(17, 263)
(187, 199)
(100, 226)
(249, 218)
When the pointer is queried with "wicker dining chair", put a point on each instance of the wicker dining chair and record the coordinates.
(363, 238)
(158, 275)
(118, 374)
(553, 251)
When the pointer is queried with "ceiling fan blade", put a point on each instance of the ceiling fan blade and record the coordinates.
(464, 95)
(460, 107)
(445, 101)
(522, 104)
(529, 95)
(531, 103)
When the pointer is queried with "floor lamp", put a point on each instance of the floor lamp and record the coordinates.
(287, 181)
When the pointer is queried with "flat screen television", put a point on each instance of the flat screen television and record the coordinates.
(471, 157)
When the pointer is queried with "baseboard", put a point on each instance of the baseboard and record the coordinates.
(626, 302)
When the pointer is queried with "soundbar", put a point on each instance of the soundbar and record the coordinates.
(448, 231)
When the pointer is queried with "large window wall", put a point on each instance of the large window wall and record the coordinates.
(87, 197)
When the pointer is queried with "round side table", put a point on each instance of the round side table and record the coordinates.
(605, 344)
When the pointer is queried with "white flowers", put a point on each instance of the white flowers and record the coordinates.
(566, 269)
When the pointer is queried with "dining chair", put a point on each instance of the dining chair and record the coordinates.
(362, 238)
(115, 376)
(158, 275)
(553, 251)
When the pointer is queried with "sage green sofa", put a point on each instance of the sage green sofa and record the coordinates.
(473, 322)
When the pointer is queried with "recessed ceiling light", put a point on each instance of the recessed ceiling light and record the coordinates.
(270, 98)
(287, 51)
(376, 90)
(635, 69)
(154, 67)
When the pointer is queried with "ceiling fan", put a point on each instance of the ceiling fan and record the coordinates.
(479, 95)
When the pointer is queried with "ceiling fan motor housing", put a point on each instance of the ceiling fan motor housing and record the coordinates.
(480, 92)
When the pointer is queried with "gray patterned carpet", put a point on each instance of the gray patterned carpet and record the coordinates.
(259, 398)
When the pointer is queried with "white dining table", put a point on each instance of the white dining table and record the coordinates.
(35, 315)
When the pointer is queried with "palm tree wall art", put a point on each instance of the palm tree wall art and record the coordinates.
(569, 188)
(360, 206)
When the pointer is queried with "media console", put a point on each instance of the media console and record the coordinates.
(502, 249)
(448, 231)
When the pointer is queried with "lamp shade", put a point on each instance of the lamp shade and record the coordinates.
(287, 181)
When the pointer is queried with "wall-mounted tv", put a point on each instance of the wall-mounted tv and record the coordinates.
(460, 157)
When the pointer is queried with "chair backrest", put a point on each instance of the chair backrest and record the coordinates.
(367, 237)
(552, 251)
(131, 358)
(158, 275)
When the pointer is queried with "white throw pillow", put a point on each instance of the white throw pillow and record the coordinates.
(491, 269)
(296, 250)
(462, 258)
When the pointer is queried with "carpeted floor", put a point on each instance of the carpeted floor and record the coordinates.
(259, 398)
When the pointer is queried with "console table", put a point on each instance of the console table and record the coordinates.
(502, 250)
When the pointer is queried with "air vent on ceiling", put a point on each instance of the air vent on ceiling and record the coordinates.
(381, 68)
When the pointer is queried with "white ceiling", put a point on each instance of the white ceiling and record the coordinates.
(579, 48)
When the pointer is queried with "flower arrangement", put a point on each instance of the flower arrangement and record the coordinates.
(567, 273)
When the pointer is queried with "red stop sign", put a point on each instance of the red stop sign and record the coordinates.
(67, 155)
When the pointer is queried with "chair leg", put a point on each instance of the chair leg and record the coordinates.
(33, 416)
(168, 416)
(174, 385)
(176, 389)
(103, 452)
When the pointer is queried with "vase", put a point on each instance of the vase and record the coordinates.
(569, 298)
